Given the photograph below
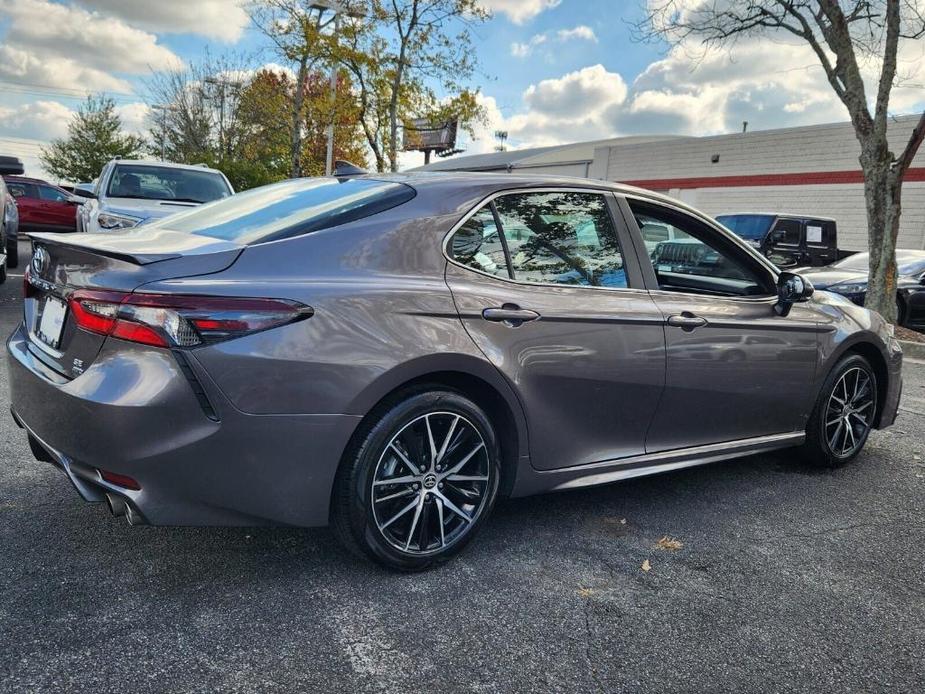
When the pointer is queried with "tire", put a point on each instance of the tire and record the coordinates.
(829, 443)
(431, 513)
(3, 272)
(12, 253)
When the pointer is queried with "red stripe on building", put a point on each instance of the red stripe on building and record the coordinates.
(751, 180)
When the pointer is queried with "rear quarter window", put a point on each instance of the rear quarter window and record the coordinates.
(290, 208)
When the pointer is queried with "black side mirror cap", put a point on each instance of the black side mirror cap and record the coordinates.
(791, 288)
(80, 192)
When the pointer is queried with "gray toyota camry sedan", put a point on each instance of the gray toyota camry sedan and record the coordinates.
(393, 354)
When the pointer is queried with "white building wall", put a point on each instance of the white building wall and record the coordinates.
(814, 149)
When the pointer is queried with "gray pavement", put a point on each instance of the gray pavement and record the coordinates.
(787, 580)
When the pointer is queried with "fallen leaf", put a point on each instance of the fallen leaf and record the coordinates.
(668, 543)
(585, 592)
(646, 565)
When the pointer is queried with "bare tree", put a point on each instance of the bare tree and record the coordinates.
(845, 36)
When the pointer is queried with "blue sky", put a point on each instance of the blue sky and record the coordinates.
(552, 70)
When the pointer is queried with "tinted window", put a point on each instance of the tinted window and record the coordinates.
(52, 194)
(753, 227)
(166, 183)
(696, 259)
(477, 244)
(22, 190)
(789, 230)
(289, 208)
(561, 238)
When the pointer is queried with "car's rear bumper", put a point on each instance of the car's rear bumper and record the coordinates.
(135, 412)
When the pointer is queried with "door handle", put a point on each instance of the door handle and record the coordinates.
(511, 315)
(687, 321)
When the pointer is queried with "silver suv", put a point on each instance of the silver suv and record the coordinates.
(130, 192)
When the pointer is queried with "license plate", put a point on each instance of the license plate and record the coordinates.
(52, 322)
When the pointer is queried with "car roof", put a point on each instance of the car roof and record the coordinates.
(500, 181)
(28, 179)
(781, 215)
(166, 165)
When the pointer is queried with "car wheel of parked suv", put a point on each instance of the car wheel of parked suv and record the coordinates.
(419, 482)
(844, 413)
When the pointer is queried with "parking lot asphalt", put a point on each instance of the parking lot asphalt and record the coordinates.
(787, 579)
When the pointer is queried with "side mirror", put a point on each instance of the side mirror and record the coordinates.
(81, 193)
(791, 288)
(76, 200)
(777, 236)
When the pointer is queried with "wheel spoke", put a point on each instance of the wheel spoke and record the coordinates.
(408, 479)
(402, 457)
(396, 495)
(398, 515)
(454, 508)
(414, 522)
(430, 442)
(459, 466)
(446, 441)
(834, 439)
(439, 503)
(466, 478)
(849, 431)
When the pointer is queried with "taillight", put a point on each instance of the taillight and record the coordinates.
(28, 289)
(171, 320)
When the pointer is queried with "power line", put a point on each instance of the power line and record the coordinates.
(33, 89)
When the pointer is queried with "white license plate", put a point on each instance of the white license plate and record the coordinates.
(52, 323)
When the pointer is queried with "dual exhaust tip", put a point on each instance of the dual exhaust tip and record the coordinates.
(119, 507)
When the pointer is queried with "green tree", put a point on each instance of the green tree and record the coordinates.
(94, 136)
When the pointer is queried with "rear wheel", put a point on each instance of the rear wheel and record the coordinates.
(844, 414)
(12, 253)
(420, 483)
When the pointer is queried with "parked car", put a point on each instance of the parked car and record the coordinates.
(788, 240)
(849, 278)
(129, 192)
(393, 354)
(42, 206)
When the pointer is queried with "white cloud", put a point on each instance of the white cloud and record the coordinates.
(135, 117)
(221, 19)
(519, 11)
(589, 90)
(47, 43)
(39, 120)
(581, 33)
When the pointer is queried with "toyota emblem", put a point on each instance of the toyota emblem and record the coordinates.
(39, 260)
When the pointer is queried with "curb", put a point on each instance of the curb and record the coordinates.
(913, 350)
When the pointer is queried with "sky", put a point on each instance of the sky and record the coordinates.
(551, 71)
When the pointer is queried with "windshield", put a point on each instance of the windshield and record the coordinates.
(906, 263)
(749, 226)
(289, 208)
(150, 182)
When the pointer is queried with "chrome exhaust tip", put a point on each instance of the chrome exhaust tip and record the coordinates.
(117, 505)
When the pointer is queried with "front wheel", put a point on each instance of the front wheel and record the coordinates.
(420, 482)
(844, 414)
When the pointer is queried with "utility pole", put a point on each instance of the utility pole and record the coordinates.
(221, 83)
(329, 159)
(163, 108)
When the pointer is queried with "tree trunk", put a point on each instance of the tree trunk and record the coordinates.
(295, 146)
(883, 197)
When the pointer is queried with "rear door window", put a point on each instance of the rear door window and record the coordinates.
(562, 238)
(22, 190)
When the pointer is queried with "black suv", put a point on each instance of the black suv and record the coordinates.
(787, 240)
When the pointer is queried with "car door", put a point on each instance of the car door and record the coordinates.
(56, 207)
(27, 200)
(735, 369)
(544, 288)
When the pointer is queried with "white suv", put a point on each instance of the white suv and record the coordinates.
(130, 192)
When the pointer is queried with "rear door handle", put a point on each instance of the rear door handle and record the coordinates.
(686, 321)
(509, 314)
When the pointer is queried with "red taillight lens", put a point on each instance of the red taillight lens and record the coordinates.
(120, 480)
(167, 320)
(28, 289)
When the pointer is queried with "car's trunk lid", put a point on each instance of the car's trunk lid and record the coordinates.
(121, 261)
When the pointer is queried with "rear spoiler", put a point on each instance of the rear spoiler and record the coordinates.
(143, 246)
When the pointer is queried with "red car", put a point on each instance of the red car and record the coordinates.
(42, 206)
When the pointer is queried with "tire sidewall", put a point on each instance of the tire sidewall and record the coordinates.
(367, 457)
